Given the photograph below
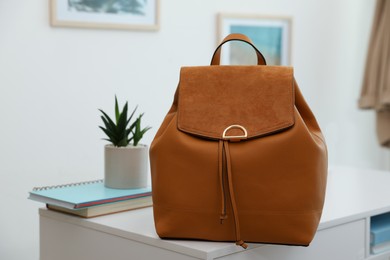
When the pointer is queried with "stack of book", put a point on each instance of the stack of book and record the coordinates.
(380, 233)
(91, 199)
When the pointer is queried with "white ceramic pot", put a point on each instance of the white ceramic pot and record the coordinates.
(125, 167)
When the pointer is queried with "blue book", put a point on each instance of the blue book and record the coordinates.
(85, 194)
(380, 229)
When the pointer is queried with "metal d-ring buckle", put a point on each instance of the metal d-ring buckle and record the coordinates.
(239, 137)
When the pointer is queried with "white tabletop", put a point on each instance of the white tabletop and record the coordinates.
(351, 194)
(354, 194)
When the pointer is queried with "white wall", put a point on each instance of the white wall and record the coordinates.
(53, 80)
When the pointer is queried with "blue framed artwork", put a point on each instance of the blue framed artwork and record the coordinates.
(271, 35)
(106, 14)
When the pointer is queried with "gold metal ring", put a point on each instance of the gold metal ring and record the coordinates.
(244, 136)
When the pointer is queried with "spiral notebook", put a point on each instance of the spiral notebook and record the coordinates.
(84, 194)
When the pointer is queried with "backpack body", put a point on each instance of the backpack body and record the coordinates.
(239, 157)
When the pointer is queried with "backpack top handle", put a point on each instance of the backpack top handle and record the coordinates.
(236, 37)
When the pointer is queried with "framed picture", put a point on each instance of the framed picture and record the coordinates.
(270, 35)
(106, 14)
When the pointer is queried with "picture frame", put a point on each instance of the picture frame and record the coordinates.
(106, 14)
(270, 34)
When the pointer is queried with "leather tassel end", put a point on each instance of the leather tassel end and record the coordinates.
(222, 218)
(242, 244)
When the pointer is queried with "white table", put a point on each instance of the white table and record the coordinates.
(353, 196)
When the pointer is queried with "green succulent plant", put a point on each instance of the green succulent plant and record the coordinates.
(122, 131)
(138, 133)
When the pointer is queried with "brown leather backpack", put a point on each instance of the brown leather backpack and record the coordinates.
(239, 157)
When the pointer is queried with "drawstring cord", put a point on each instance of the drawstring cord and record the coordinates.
(224, 165)
(221, 166)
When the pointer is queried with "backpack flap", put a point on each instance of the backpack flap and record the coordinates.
(235, 102)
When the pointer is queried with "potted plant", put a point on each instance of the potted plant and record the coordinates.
(125, 160)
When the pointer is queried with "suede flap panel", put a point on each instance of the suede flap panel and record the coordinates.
(258, 98)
